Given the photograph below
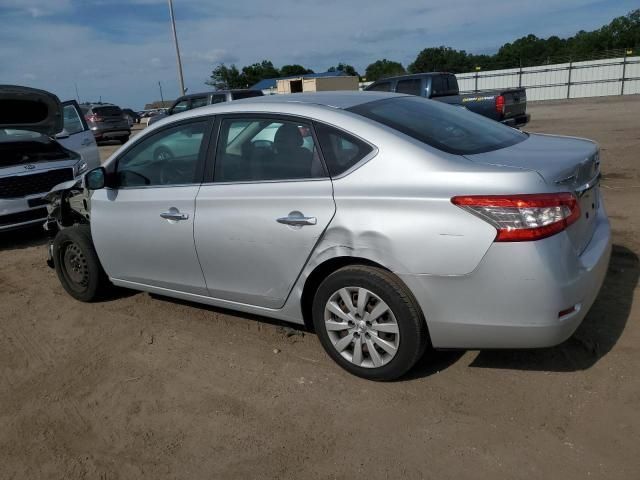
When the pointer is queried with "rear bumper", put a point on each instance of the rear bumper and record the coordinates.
(514, 297)
(100, 133)
(516, 122)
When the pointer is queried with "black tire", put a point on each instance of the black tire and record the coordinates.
(124, 139)
(413, 333)
(77, 264)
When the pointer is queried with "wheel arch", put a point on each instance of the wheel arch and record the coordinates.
(322, 271)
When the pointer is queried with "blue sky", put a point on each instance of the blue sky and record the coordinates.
(120, 49)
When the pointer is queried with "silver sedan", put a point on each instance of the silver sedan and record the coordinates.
(390, 223)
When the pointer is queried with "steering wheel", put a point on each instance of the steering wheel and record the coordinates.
(172, 171)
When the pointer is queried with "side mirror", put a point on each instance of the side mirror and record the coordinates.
(95, 179)
(62, 134)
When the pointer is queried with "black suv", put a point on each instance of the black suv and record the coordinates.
(106, 121)
(195, 100)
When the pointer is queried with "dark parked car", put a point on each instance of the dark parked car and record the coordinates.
(195, 100)
(508, 106)
(132, 116)
(106, 121)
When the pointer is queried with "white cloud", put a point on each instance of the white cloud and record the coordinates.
(125, 69)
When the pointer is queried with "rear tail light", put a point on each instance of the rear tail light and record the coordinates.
(93, 118)
(520, 218)
(500, 104)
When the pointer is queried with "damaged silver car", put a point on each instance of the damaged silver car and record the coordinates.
(389, 222)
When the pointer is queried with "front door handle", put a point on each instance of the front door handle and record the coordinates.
(174, 214)
(297, 219)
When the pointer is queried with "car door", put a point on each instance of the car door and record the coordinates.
(76, 134)
(268, 205)
(142, 225)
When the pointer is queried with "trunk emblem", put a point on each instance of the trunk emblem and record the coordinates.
(29, 167)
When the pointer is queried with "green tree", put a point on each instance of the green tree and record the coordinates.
(224, 78)
(383, 68)
(259, 71)
(295, 69)
(347, 69)
(445, 59)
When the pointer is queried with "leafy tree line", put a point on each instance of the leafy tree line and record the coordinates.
(224, 77)
(621, 33)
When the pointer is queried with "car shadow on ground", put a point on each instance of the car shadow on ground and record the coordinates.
(23, 238)
(596, 336)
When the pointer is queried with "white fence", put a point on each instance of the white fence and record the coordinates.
(593, 78)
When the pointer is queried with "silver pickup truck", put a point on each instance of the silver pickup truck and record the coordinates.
(43, 142)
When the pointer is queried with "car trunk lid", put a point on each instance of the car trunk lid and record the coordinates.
(569, 164)
(25, 108)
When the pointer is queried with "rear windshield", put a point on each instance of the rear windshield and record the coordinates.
(108, 111)
(247, 94)
(450, 128)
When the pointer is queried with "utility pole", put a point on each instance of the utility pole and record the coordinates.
(175, 41)
(77, 94)
(161, 97)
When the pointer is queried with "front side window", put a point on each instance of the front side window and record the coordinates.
(340, 150)
(259, 149)
(72, 122)
(446, 127)
(198, 102)
(169, 157)
(181, 106)
(411, 86)
(380, 87)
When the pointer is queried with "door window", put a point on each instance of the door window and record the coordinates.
(411, 86)
(198, 102)
(252, 150)
(181, 106)
(340, 150)
(218, 99)
(169, 157)
(72, 122)
(381, 87)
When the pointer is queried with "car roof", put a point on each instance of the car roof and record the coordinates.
(338, 99)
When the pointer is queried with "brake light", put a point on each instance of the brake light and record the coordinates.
(519, 218)
(500, 104)
(93, 118)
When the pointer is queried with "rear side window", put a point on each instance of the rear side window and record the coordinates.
(380, 87)
(411, 86)
(259, 149)
(218, 99)
(340, 150)
(446, 127)
(111, 111)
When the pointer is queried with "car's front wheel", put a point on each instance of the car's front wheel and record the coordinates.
(77, 264)
(369, 322)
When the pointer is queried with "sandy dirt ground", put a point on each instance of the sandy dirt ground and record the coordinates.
(145, 387)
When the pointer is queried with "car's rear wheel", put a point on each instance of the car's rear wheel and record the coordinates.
(369, 322)
(124, 139)
(77, 264)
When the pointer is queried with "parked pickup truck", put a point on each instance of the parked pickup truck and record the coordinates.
(508, 106)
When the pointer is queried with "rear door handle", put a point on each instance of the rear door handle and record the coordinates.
(297, 219)
(174, 214)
